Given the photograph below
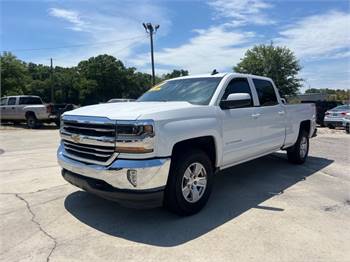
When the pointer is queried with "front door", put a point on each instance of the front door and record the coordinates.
(241, 129)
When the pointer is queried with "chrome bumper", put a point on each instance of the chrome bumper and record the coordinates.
(147, 174)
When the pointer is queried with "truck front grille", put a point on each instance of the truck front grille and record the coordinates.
(89, 140)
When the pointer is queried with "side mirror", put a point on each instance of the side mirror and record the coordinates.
(284, 101)
(236, 101)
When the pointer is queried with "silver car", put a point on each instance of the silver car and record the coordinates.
(334, 117)
(346, 122)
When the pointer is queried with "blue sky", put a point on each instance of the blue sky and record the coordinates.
(194, 35)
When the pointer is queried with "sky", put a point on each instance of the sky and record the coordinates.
(193, 35)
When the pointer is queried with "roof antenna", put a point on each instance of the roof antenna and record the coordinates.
(214, 72)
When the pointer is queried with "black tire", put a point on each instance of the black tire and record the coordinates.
(174, 199)
(298, 153)
(331, 126)
(32, 121)
(347, 128)
(58, 123)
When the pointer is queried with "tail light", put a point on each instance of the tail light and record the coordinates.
(343, 113)
(49, 109)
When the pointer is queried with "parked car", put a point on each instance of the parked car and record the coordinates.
(321, 108)
(32, 110)
(165, 148)
(334, 117)
(118, 100)
(346, 122)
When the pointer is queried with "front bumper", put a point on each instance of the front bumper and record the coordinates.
(130, 198)
(148, 175)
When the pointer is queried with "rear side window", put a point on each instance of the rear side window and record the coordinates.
(266, 92)
(12, 101)
(238, 85)
(30, 101)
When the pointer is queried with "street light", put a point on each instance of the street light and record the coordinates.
(150, 29)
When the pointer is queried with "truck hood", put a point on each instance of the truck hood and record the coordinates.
(128, 110)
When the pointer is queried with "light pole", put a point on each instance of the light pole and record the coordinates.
(151, 30)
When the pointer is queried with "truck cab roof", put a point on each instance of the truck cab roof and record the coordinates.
(220, 75)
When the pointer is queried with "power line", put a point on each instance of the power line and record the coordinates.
(73, 46)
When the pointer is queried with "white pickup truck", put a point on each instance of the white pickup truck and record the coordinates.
(30, 109)
(165, 148)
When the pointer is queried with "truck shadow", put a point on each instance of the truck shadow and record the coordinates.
(236, 190)
(24, 126)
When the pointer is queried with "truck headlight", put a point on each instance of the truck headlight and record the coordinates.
(135, 137)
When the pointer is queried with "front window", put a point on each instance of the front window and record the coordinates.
(198, 91)
(3, 101)
(11, 101)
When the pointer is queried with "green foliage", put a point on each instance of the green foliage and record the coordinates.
(175, 73)
(278, 63)
(95, 80)
(14, 77)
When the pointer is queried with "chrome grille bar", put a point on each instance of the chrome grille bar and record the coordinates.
(89, 139)
(87, 147)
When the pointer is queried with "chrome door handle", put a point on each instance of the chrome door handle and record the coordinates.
(255, 115)
(281, 112)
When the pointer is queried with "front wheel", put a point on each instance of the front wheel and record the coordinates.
(189, 184)
(298, 153)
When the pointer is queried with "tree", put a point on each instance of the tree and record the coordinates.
(14, 75)
(278, 63)
(175, 73)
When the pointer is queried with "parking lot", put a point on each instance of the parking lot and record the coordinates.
(264, 210)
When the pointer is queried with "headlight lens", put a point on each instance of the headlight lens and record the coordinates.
(135, 137)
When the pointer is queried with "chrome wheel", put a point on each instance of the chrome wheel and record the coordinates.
(194, 182)
(303, 147)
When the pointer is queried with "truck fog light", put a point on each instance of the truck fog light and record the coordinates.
(132, 176)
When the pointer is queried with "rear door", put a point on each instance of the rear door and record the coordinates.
(241, 131)
(272, 115)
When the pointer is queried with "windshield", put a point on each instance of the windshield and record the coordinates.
(196, 91)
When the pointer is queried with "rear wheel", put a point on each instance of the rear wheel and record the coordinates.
(189, 184)
(32, 121)
(347, 128)
(298, 153)
(331, 126)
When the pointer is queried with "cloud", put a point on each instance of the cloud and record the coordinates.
(242, 12)
(210, 48)
(334, 74)
(111, 24)
(70, 16)
(319, 36)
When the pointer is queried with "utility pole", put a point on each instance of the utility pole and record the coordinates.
(51, 82)
(151, 30)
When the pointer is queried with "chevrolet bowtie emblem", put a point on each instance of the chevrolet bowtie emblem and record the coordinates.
(76, 138)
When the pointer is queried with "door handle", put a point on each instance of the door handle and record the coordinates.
(281, 112)
(255, 115)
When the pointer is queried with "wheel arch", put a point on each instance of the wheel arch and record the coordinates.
(30, 113)
(206, 143)
(305, 126)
